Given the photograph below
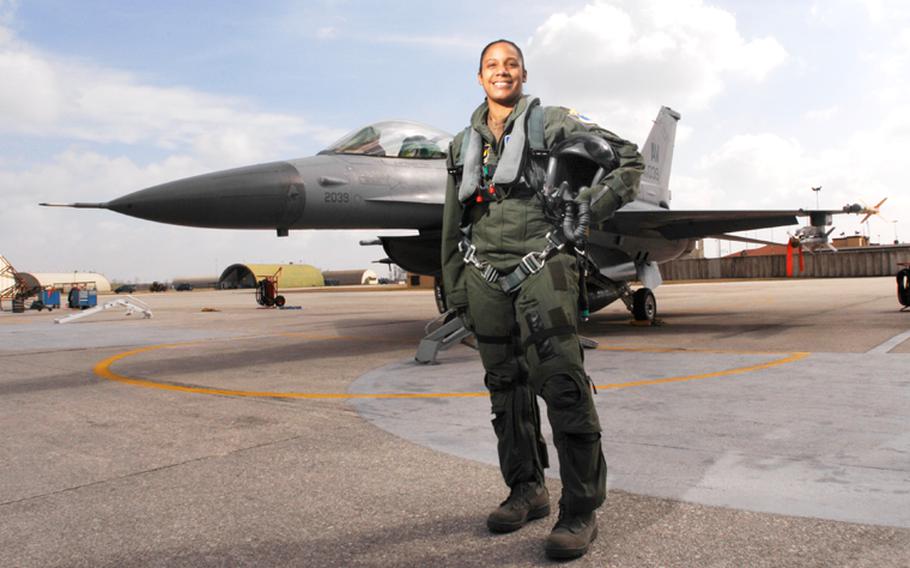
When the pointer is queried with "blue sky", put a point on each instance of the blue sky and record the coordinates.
(98, 99)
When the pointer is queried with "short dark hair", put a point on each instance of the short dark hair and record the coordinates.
(494, 42)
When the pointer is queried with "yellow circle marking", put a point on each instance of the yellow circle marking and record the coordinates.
(103, 370)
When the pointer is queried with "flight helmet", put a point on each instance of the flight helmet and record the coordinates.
(580, 160)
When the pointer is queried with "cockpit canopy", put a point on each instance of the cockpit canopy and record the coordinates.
(394, 139)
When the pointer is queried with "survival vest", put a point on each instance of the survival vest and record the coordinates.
(527, 134)
(526, 140)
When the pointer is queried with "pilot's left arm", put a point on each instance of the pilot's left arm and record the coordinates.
(619, 186)
(453, 266)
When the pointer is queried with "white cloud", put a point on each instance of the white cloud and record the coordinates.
(80, 105)
(686, 54)
(767, 171)
(624, 59)
(880, 11)
(845, 12)
(49, 96)
(822, 114)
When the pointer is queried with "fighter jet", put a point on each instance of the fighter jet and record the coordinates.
(392, 175)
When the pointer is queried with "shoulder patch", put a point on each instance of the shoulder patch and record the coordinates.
(580, 117)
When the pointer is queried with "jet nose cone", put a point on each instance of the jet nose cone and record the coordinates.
(265, 196)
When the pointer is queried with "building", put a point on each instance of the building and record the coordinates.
(852, 241)
(767, 262)
(197, 281)
(288, 275)
(64, 281)
(420, 281)
(350, 277)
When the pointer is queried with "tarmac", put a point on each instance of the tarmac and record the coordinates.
(762, 424)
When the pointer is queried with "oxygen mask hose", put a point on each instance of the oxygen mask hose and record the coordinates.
(577, 219)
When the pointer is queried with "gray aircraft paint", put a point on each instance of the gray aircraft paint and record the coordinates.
(346, 191)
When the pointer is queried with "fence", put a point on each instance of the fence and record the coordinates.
(846, 263)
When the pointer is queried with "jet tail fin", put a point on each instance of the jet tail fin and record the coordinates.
(658, 157)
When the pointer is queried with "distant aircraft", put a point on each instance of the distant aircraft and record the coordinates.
(392, 175)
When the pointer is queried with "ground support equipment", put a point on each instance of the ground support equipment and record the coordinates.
(130, 303)
(441, 334)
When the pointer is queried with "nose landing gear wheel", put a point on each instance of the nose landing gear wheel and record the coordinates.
(644, 305)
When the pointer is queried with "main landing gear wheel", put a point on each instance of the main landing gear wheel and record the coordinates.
(644, 305)
(903, 288)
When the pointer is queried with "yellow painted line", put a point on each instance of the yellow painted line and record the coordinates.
(685, 350)
(103, 370)
(792, 357)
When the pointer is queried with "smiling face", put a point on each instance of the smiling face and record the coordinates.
(502, 74)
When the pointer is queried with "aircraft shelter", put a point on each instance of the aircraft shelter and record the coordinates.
(288, 275)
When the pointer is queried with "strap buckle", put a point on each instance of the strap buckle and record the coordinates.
(531, 263)
(555, 241)
(490, 274)
(470, 254)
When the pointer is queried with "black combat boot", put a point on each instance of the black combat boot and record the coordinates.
(527, 501)
(572, 535)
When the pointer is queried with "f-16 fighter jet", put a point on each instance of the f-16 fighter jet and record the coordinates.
(392, 175)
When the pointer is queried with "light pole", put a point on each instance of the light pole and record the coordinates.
(817, 190)
(895, 232)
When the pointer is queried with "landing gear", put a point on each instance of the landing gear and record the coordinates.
(644, 305)
(641, 303)
(903, 288)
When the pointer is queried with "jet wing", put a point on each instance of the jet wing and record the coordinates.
(699, 224)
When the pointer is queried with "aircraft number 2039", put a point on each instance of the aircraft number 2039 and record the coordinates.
(337, 197)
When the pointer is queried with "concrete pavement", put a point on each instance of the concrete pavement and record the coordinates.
(802, 463)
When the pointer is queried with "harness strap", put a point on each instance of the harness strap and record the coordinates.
(452, 168)
(536, 139)
(540, 336)
(531, 263)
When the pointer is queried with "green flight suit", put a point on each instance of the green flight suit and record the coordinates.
(527, 340)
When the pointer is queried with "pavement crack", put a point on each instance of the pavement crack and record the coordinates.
(148, 471)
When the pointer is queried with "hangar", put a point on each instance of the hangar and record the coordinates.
(350, 277)
(288, 275)
(64, 280)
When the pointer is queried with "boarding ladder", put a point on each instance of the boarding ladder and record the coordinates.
(441, 333)
(9, 283)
